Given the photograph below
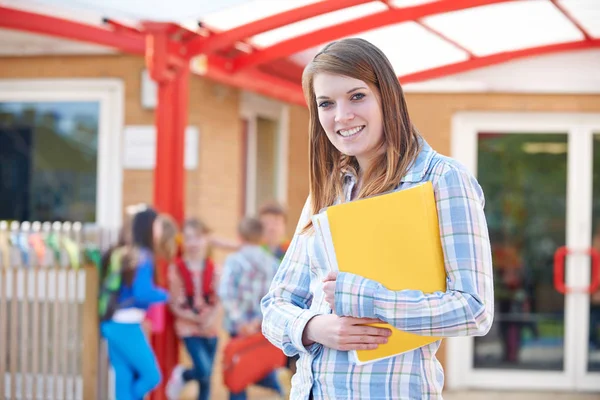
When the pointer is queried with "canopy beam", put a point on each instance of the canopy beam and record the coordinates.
(384, 18)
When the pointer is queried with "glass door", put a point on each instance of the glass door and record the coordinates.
(590, 376)
(524, 178)
(538, 173)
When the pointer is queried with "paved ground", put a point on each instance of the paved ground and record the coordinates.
(519, 396)
(258, 395)
(219, 392)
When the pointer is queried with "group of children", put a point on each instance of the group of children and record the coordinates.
(199, 294)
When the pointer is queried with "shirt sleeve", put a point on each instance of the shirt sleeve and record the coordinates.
(466, 307)
(230, 291)
(145, 291)
(285, 308)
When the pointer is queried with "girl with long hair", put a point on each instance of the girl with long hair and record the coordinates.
(362, 143)
(130, 284)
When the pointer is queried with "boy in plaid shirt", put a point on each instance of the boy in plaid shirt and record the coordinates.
(247, 275)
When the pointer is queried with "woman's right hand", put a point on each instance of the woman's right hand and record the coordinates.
(344, 333)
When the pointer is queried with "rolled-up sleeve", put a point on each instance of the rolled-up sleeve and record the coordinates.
(231, 291)
(285, 308)
(466, 308)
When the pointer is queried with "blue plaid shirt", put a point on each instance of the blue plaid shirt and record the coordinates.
(465, 309)
(246, 277)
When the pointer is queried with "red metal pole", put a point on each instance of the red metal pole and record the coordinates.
(164, 176)
(172, 77)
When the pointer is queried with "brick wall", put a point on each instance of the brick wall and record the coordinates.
(298, 165)
(214, 188)
(214, 111)
(432, 113)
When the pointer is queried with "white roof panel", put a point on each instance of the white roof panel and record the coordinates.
(408, 46)
(312, 24)
(544, 74)
(411, 48)
(249, 11)
(414, 46)
(154, 10)
(304, 57)
(506, 26)
(586, 12)
(57, 9)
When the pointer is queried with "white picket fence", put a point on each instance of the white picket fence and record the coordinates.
(49, 341)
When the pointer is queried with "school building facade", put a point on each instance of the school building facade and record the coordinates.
(535, 154)
(78, 140)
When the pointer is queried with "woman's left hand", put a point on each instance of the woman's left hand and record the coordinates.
(329, 288)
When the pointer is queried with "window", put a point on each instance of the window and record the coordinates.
(49, 153)
(60, 150)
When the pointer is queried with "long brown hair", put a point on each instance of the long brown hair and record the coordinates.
(165, 247)
(358, 59)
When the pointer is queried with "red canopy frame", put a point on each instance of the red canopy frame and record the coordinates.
(568, 15)
(229, 38)
(169, 49)
(384, 18)
(241, 71)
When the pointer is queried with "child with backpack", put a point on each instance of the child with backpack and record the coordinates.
(247, 275)
(127, 291)
(195, 307)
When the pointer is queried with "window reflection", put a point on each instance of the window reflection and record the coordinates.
(524, 179)
(48, 153)
(594, 317)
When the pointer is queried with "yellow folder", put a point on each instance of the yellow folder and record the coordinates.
(393, 239)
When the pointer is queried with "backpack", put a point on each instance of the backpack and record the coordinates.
(110, 286)
(280, 251)
(207, 282)
(249, 359)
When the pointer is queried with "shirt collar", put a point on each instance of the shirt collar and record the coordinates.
(416, 172)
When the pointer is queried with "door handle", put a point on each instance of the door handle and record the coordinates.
(595, 279)
(559, 269)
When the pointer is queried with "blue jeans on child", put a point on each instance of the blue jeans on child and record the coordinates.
(132, 358)
(269, 382)
(202, 352)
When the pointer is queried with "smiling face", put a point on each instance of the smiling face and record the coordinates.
(351, 116)
(195, 243)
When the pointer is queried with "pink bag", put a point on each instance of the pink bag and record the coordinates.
(156, 315)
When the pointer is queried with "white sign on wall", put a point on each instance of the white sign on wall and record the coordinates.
(139, 147)
(149, 91)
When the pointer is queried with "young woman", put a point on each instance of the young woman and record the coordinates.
(362, 143)
(134, 363)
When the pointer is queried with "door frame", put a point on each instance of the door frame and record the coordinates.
(109, 93)
(253, 106)
(580, 128)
